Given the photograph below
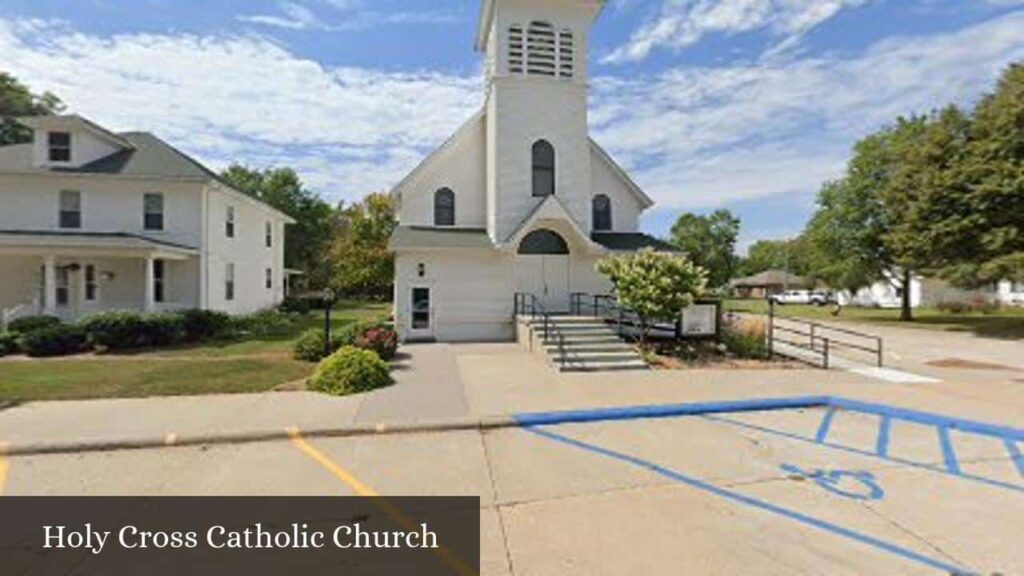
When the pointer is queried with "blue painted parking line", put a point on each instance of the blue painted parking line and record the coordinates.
(882, 445)
(948, 453)
(668, 410)
(1015, 455)
(742, 499)
(826, 423)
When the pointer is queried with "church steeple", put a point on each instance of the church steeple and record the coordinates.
(536, 38)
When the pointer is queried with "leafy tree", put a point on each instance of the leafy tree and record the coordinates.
(655, 285)
(852, 232)
(17, 100)
(361, 261)
(709, 242)
(307, 240)
(792, 256)
(969, 207)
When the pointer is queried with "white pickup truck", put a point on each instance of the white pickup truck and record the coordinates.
(800, 297)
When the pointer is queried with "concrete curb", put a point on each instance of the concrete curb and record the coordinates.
(255, 436)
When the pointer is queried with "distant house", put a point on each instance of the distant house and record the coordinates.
(766, 283)
(884, 294)
(931, 292)
(92, 220)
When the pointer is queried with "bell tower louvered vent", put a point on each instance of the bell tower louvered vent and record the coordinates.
(541, 50)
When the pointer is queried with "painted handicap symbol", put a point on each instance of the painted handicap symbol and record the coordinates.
(859, 485)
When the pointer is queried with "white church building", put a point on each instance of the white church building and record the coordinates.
(520, 200)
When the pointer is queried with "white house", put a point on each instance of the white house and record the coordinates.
(91, 220)
(520, 199)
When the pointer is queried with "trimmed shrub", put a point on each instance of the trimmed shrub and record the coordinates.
(199, 325)
(32, 323)
(310, 346)
(293, 305)
(130, 330)
(383, 341)
(59, 340)
(263, 324)
(350, 371)
(8, 343)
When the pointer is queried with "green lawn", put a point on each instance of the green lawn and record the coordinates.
(217, 368)
(1007, 323)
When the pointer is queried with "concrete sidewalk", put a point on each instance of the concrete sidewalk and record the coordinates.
(469, 386)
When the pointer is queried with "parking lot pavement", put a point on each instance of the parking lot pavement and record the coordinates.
(810, 490)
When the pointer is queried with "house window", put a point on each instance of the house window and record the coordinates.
(63, 285)
(153, 211)
(543, 169)
(602, 213)
(59, 146)
(70, 209)
(91, 288)
(229, 222)
(444, 207)
(229, 282)
(270, 279)
(158, 280)
(268, 235)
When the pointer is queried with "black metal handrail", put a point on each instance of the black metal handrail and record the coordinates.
(526, 303)
(812, 338)
(606, 307)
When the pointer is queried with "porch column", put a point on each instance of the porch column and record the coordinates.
(149, 300)
(50, 285)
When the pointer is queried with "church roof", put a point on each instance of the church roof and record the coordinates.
(409, 237)
(630, 241)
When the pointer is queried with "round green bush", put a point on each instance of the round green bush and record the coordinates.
(350, 371)
(32, 323)
(8, 343)
(60, 340)
(310, 345)
(129, 330)
(199, 325)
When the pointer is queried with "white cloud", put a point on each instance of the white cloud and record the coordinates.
(700, 137)
(246, 98)
(294, 17)
(682, 23)
(347, 15)
(692, 137)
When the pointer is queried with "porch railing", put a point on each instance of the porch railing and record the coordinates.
(11, 314)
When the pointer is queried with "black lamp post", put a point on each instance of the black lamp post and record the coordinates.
(328, 297)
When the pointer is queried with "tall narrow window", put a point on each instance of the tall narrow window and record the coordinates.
(543, 169)
(269, 280)
(268, 235)
(153, 211)
(229, 222)
(229, 282)
(70, 209)
(59, 146)
(602, 213)
(158, 280)
(63, 285)
(444, 207)
(91, 288)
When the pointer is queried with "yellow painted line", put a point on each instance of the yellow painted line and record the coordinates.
(4, 466)
(359, 487)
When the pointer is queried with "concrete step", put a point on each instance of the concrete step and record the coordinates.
(582, 347)
(584, 340)
(599, 357)
(610, 366)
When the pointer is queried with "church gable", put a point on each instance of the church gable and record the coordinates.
(450, 184)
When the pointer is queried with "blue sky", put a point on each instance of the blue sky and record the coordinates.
(744, 104)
